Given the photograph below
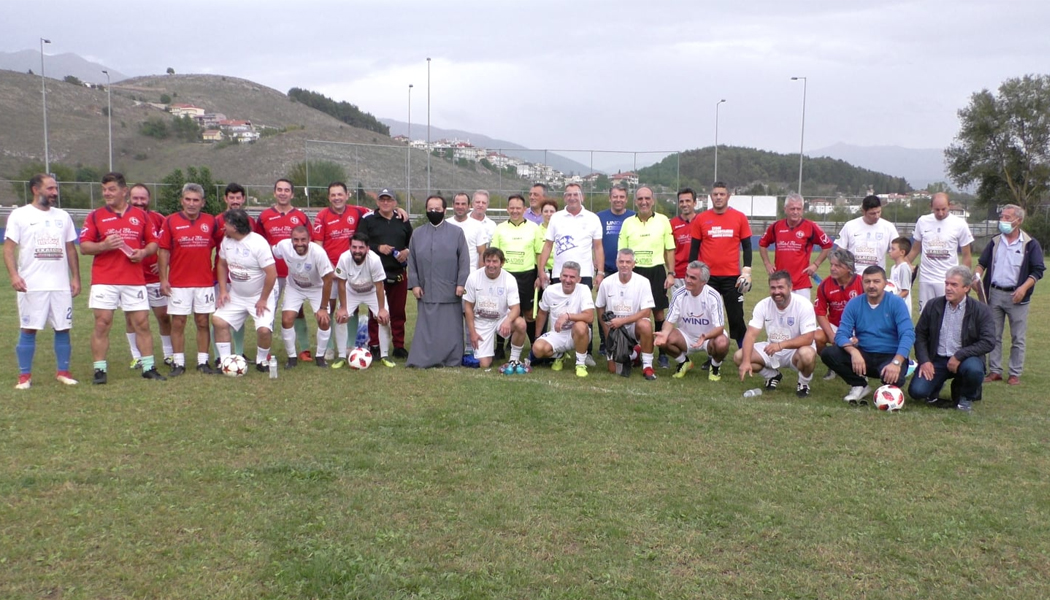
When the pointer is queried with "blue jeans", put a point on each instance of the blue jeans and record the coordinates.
(966, 381)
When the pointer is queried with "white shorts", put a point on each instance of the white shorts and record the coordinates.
(353, 301)
(561, 341)
(679, 283)
(690, 340)
(37, 309)
(486, 328)
(192, 300)
(129, 298)
(294, 297)
(804, 293)
(238, 309)
(778, 360)
(156, 299)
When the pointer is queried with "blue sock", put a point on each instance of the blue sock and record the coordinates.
(63, 350)
(25, 350)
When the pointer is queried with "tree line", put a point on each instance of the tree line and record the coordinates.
(344, 111)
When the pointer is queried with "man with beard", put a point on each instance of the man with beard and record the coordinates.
(119, 237)
(186, 242)
(874, 339)
(45, 274)
(438, 266)
(276, 224)
(491, 306)
(360, 279)
(139, 197)
(309, 280)
(790, 325)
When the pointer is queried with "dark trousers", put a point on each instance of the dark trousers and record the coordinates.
(734, 304)
(396, 295)
(966, 381)
(839, 361)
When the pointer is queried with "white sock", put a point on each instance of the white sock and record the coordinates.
(340, 339)
(680, 358)
(515, 352)
(323, 335)
(179, 359)
(716, 363)
(223, 348)
(262, 355)
(805, 379)
(647, 359)
(135, 354)
(202, 358)
(581, 359)
(767, 372)
(384, 340)
(165, 342)
(288, 335)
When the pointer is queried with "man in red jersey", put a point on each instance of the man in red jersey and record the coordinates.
(795, 238)
(832, 296)
(139, 197)
(720, 235)
(186, 242)
(275, 224)
(119, 236)
(682, 231)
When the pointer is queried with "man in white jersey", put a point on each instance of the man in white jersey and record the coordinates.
(629, 298)
(360, 279)
(309, 280)
(45, 273)
(473, 229)
(868, 237)
(940, 237)
(491, 304)
(480, 204)
(247, 275)
(695, 322)
(574, 233)
(570, 308)
(790, 325)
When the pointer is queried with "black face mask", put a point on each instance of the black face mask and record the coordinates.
(435, 216)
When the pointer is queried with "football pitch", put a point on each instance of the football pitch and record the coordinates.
(456, 483)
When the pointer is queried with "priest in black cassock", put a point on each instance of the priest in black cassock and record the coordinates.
(438, 265)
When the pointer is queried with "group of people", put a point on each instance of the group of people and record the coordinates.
(673, 286)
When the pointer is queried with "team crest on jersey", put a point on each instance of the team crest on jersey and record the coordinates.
(791, 321)
(852, 294)
(205, 228)
(294, 220)
(878, 236)
(350, 219)
(307, 266)
(134, 220)
(800, 234)
(499, 291)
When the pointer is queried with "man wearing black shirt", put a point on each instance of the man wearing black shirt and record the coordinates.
(388, 237)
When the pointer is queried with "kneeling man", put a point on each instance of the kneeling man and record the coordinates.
(951, 339)
(695, 322)
(569, 305)
(309, 280)
(360, 278)
(490, 305)
(629, 298)
(790, 326)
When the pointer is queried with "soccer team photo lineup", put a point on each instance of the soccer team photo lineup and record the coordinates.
(551, 284)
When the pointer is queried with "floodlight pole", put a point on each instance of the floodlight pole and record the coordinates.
(43, 93)
(109, 112)
(428, 126)
(717, 105)
(408, 178)
(802, 141)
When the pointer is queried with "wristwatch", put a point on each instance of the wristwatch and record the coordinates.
(896, 363)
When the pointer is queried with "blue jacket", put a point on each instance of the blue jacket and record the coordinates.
(1031, 264)
(885, 329)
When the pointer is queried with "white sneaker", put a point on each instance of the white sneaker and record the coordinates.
(858, 394)
(589, 361)
(329, 354)
(829, 375)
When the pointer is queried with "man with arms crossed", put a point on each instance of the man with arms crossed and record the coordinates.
(360, 279)
(695, 322)
(309, 280)
(629, 297)
(186, 242)
(491, 305)
(139, 197)
(794, 238)
(247, 276)
(119, 236)
(570, 308)
(720, 235)
(276, 224)
(940, 237)
(790, 326)
(869, 236)
(46, 275)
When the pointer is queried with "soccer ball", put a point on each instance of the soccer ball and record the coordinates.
(234, 365)
(891, 288)
(889, 397)
(360, 358)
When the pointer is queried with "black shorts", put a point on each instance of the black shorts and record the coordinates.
(657, 276)
(526, 288)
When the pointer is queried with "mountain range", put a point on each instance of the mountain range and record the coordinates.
(58, 66)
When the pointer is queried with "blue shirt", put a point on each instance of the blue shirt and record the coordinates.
(884, 329)
(611, 225)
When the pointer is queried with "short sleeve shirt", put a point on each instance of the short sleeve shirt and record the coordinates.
(520, 245)
(492, 298)
(794, 248)
(720, 236)
(304, 272)
(832, 297)
(868, 243)
(682, 231)
(113, 267)
(648, 239)
(783, 325)
(557, 303)
(625, 299)
(42, 236)
(361, 278)
(474, 231)
(247, 258)
(276, 226)
(941, 241)
(190, 243)
(697, 315)
(333, 230)
(573, 238)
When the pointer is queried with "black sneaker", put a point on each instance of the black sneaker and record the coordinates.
(218, 362)
(965, 405)
(292, 363)
(802, 390)
(664, 362)
(177, 370)
(153, 374)
(400, 353)
(262, 367)
(500, 353)
(205, 369)
(374, 350)
(706, 365)
(774, 381)
(100, 377)
(625, 369)
(319, 361)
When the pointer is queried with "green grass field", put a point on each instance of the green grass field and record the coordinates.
(453, 483)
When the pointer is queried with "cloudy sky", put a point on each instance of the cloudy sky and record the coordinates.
(609, 75)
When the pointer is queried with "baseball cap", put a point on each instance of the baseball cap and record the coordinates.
(386, 192)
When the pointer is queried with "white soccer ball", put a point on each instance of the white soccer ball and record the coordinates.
(889, 397)
(891, 288)
(234, 365)
(360, 358)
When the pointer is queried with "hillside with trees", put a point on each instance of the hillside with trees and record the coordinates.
(344, 111)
